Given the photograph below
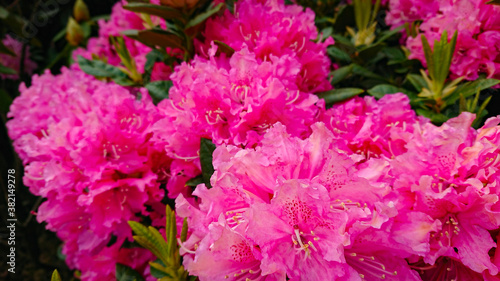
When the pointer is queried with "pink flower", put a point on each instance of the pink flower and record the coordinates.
(87, 150)
(372, 128)
(269, 28)
(476, 51)
(231, 101)
(14, 62)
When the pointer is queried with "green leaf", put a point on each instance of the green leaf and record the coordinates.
(195, 181)
(341, 73)
(206, 157)
(359, 70)
(493, 2)
(436, 118)
(223, 48)
(157, 269)
(170, 232)
(380, 90)
(338, 95)
(417, 81)
(470, 88)
(428, 55)
(55, 276)
(184, 230)
(370, 52)
(200, 18)
(5, 101)
(100, 69)
(160, 37)
(125, 273)
(6, 50)
(151, 239)
(6, 70)
(325, 33)
(59, 35)
(389, 33)
(159, 89)
(338, 54)
(155, 10)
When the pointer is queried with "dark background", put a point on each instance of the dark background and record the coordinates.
(37, 250)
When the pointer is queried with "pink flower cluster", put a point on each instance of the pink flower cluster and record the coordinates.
(269, 28)
(14, 62)
(402, 200)
(233, 100)
(478, 25)
(122, 20)
(87, 150)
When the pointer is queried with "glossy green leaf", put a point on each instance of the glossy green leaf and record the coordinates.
(100, 69)
(7, 70)
(341, 73)
(380, 90)
(388, 34)
(159, 89)
(125, 273)
(493, 2)
(160, 37)
(370, 52)
(470, 88)
(338, 95)
(417, 81)
(200, 18)
(207, 148)
(158, 269)
(184, 230)
(195, 181)
(223, 48)
(359, 70)
(436, 118)
(338, 54)
(155, 10)
(151, 239)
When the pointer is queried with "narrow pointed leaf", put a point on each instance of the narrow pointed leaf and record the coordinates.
(159, 89)
(470, 88)
(223, 48)
(204, 16)
(338, 95)
(6, 70)
(184, 230)
(155, 10)
(341, 73)
(206, 151)
(125, 273)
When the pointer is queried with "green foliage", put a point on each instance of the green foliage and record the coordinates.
(168, 266)
(183, 25)
(159, 89)
(125, 273)
(101, 69)
(206, 156)
(338, 95)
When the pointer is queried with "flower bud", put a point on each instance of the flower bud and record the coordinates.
(81, 11)
(74, 32)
